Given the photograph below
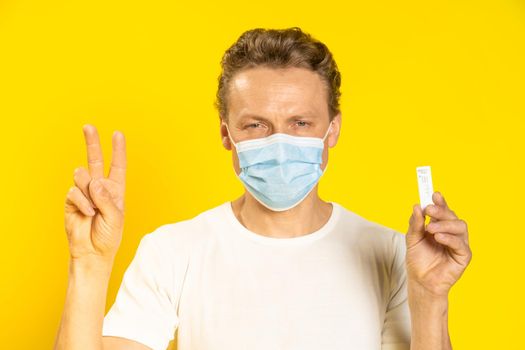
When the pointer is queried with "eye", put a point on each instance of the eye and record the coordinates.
(301, 123)
(253, 125)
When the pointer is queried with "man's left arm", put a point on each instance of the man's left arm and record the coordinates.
(437, 255)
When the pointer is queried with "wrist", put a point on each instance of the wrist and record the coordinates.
(91, 265)
(424, 301)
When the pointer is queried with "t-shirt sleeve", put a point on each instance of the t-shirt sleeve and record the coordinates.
(397, 327)
(144, 309)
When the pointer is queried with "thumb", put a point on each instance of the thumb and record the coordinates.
(416, 228)
(102, 199)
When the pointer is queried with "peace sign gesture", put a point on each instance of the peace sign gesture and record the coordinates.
(94, 208)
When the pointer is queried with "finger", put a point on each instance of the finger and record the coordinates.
(459, 248)
(117, 171)
(416, 229)
(438, 199)
(82, 179)
(94, 152)
(456, 227)
(105, 204)
(438, 212)
(76, 199)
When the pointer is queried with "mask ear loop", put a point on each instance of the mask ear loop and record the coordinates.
(325, 135)
(235, 145)
(230, 136)
(327, 131)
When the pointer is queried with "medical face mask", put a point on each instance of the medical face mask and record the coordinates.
(280, 170)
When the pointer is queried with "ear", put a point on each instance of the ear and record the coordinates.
(226, 142)
(333, 135)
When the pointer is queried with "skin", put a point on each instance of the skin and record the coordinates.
(437, 253)
(263, 101)
(94, 221)
(293, 101)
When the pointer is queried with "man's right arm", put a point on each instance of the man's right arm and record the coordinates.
(94, 220)
(83, 315)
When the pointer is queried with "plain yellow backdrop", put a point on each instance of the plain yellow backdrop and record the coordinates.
(438, 83)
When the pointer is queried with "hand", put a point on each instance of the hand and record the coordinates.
(94, 208)
(438, 253)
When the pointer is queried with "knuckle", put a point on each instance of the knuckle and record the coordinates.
(78, 171)
(469, 256)
(118, 167)
(461, 225)
(95, 161)
(80, 179)
(435, 212)
(70, 194)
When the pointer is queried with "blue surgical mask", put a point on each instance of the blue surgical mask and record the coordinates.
(280, 170)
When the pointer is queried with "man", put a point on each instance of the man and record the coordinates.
(277, 268)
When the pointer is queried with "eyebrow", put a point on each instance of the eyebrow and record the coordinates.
(258, 117)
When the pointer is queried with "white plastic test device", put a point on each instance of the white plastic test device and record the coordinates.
(424, 184)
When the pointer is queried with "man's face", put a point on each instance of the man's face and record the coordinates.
(263, 101)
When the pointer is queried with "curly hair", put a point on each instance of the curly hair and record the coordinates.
(278, 48)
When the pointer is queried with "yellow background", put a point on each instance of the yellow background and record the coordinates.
(437, 83)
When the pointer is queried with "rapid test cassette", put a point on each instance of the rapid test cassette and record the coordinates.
(424, 184)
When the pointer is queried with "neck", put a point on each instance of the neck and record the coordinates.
(306, 217)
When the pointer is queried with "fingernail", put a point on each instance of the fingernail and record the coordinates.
(91, 211)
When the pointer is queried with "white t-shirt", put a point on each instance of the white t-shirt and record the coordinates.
(221, 286)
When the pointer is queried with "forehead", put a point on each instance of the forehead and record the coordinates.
(273, 92)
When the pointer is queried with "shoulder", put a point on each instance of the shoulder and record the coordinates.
(184, 234)
(383, 248)
(369, 232)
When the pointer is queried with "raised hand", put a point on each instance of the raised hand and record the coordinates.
(94, 208)
(438, 253)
